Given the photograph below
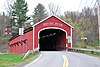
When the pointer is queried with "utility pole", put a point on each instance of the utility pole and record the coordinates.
(99, 19)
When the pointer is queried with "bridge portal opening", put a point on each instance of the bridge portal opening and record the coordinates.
(52, 40)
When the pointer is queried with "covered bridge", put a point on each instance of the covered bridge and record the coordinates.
(52, 33)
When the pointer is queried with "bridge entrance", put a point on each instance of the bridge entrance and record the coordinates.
(52, 40)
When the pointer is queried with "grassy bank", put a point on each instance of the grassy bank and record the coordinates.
(11, 60)
(88, 45)
(93, 53)
(4, 41)
(5, 37)
(97, 54)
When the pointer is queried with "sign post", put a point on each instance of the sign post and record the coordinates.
(21, 33)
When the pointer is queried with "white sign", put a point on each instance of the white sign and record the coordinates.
(85, 38)
(53, 24)
(21, 31)
(69, 39)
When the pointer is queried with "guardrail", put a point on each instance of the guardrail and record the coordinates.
(82, 50)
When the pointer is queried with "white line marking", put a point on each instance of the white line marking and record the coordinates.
(33, 61)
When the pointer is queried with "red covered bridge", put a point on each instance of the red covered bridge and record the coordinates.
(51, 33)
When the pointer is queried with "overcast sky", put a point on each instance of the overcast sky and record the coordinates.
(65, 5)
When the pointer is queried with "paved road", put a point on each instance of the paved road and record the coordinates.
(64, 59)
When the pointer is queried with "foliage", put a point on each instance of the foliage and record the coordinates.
(85, 25)
(39, 13)
(95, 43)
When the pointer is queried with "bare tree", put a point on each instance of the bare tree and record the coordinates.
(5, 19)
(8, 6)
(54, 9)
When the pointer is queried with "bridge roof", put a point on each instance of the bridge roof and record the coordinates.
(50, 17)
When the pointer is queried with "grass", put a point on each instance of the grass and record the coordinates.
(11, 60)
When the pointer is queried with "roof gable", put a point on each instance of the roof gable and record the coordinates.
(55, 17)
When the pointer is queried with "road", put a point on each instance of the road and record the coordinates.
(64, 59)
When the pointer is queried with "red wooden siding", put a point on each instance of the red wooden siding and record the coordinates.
(15, 43)
(40, 26)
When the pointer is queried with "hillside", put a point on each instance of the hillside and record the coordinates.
(4, 44)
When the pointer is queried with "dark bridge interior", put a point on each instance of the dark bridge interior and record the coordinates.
(52, 40)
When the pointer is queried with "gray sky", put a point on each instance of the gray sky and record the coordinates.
(65, 5)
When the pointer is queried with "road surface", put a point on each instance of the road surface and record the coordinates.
(64, 59)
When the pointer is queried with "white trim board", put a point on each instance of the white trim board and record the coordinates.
(33, 38)
(51, 28)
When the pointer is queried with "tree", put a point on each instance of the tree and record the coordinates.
(71, 15)
(6, 18)
(19, 10)
(86, 25)
(3, 22)
(39, 13)
(91, 23)
(8, 7)
(54, 9)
